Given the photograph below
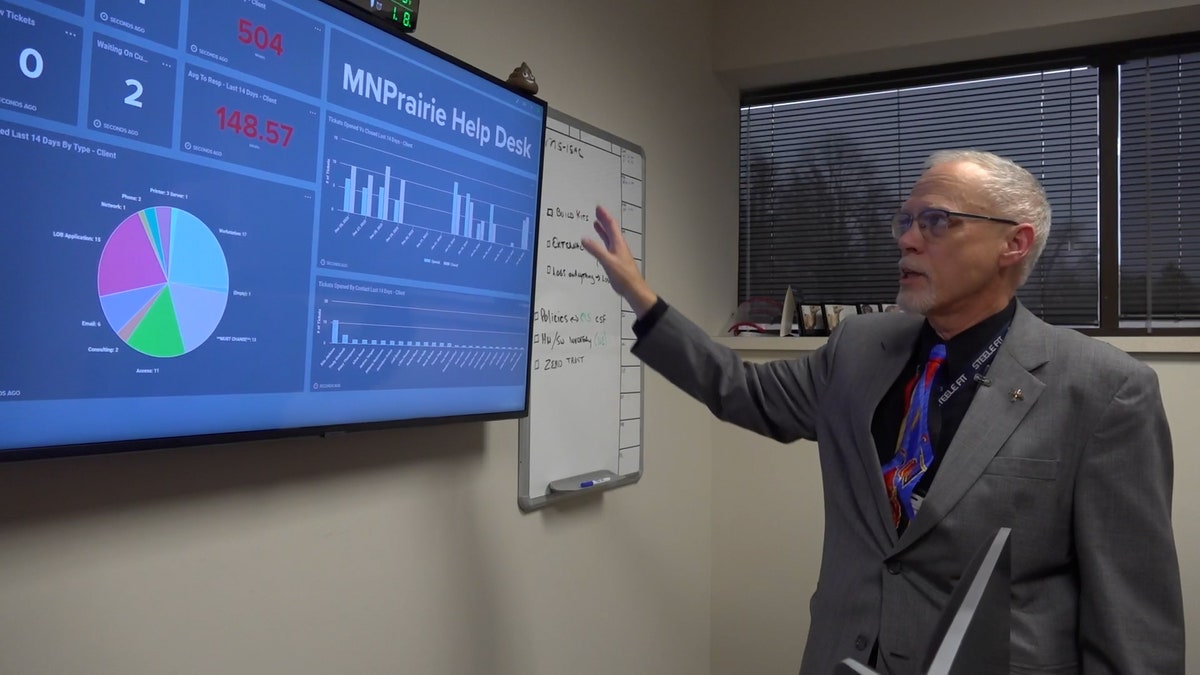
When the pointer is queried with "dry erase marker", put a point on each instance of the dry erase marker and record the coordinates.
(594, 481)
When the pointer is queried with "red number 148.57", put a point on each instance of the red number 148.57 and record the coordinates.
(248, 125)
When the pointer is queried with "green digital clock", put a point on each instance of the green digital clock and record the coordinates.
(403, 13)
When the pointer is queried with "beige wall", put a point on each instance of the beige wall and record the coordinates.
(404, 551)
(760, 43)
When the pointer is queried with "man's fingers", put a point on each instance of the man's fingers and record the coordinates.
(601, 249)
(609, 230)
(603, 234)
(592, 247)
(605, 218)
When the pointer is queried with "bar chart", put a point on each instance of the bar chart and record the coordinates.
(339, 336)
(386, 199)
(414, 211)
(371, 336)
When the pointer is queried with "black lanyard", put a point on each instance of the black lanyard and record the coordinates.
(976, 368)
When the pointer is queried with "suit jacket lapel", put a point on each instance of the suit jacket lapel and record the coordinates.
(991, 418)
(874, 383)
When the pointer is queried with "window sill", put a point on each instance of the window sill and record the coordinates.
(1141, 344)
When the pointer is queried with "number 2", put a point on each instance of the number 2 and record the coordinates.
(134, 98)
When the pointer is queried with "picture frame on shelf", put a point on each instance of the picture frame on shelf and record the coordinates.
(836, 312)
(812, 320)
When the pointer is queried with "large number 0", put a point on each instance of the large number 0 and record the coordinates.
(134, 99)
(31, 63)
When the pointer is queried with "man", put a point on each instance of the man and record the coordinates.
(938, 425)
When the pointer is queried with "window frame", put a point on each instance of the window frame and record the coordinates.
(1106, 58)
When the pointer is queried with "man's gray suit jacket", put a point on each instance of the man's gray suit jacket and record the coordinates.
(1069, 447)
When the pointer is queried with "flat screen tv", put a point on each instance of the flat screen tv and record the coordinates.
(233, 219)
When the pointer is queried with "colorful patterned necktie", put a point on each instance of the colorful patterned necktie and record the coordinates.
(914, 453)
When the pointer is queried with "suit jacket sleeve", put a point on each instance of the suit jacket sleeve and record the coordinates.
(779, 399)
(1131, 609)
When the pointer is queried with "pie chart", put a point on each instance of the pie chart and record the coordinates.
(163, 281)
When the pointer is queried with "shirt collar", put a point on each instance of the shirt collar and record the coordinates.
(969, 343)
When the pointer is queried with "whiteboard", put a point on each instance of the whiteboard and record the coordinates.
(583, 433)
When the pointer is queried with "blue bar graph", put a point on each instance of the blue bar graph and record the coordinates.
(470, 217)
(469, 221)
(366, 195)
(338, 337)
(383, 193)
(403, 209)
(348, 204)
(370, 201)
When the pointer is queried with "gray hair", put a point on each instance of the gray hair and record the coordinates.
(1012, 191)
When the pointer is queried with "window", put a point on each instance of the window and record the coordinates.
(1112, 135)
(1160, 190)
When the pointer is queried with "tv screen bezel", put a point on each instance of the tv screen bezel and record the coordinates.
(60, 451)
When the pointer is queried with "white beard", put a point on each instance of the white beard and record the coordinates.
(916, 302)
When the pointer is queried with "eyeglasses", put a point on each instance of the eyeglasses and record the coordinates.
(935, 222)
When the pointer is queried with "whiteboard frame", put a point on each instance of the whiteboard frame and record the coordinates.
(525, 500)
